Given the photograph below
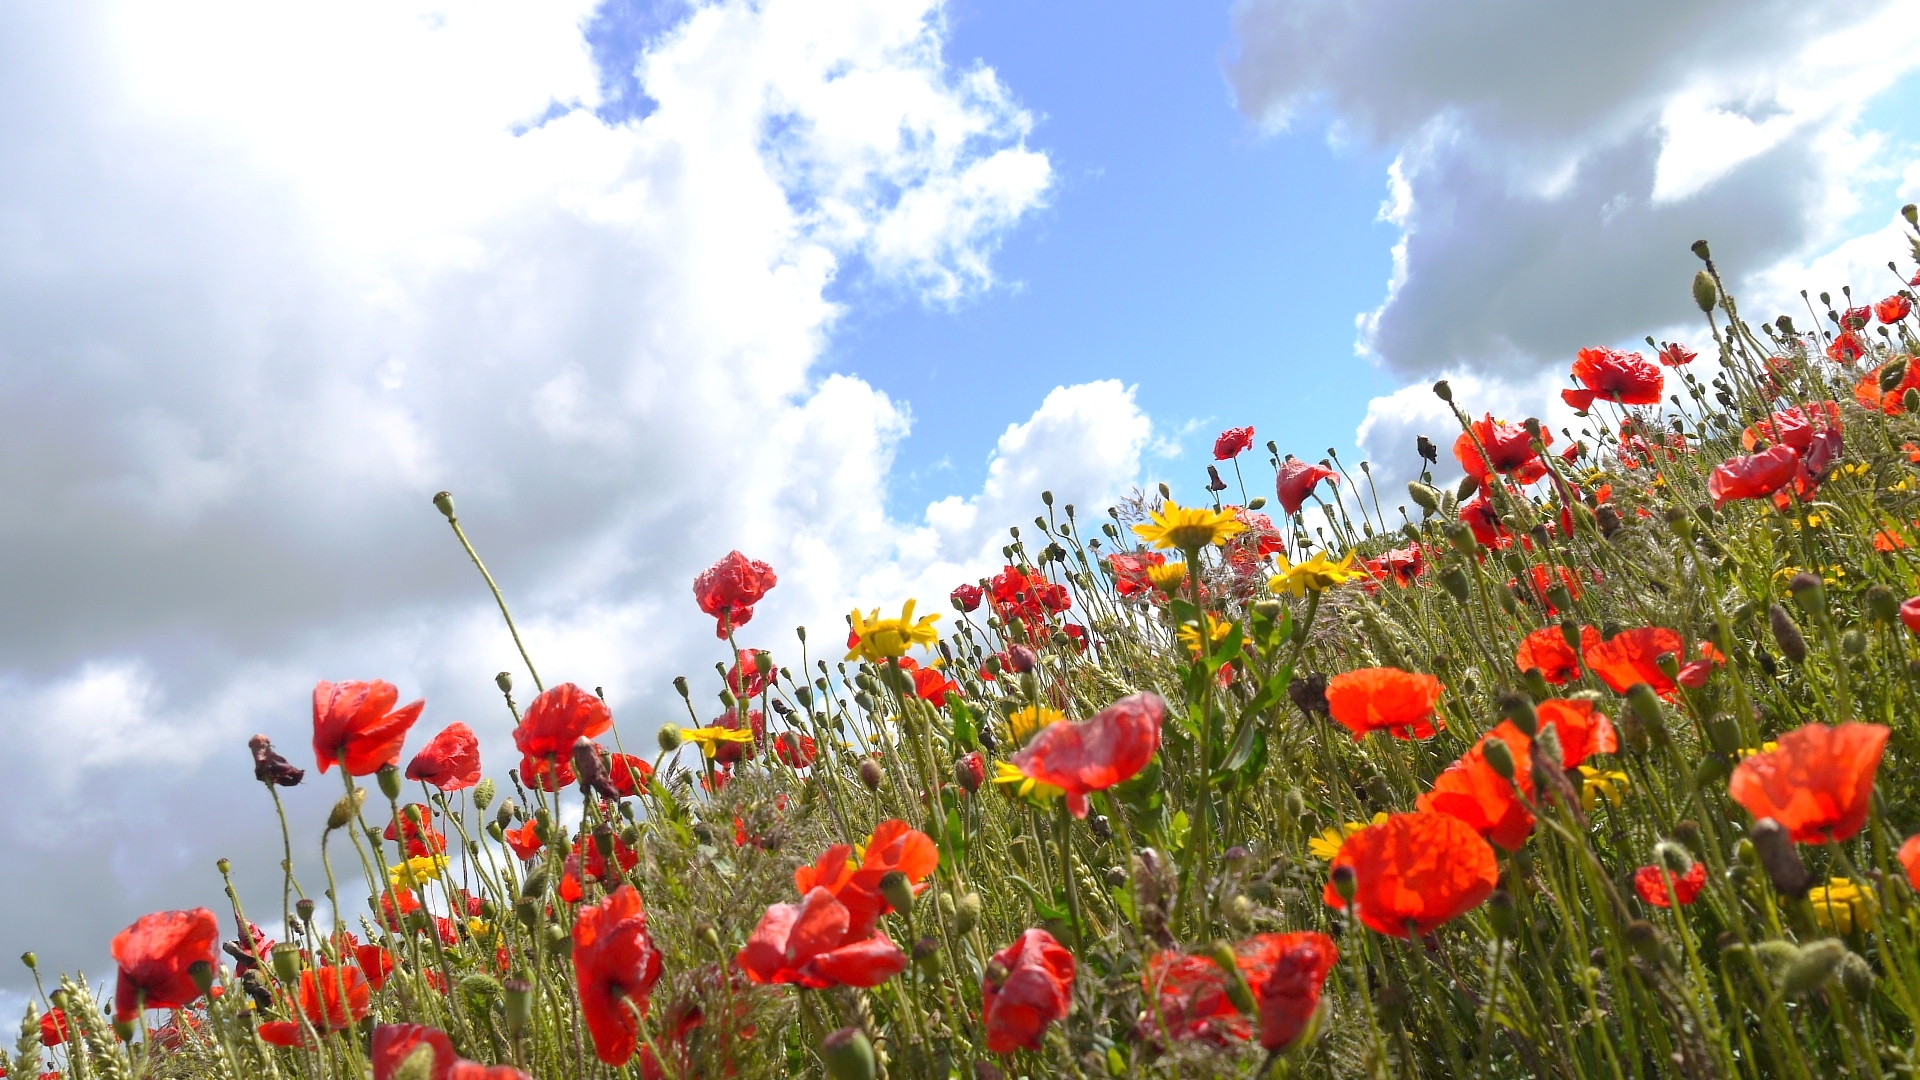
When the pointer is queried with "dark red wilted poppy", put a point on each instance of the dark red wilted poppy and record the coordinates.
(615, 966)
(1632, 656)
(1296, 481)
(1094, 755)
(1651, 883)
(1400, 703)
(1818, 783)
(154, 955)
(356, 726)
(1674, 354)
(1414, 872)
(1611, 375)
(728, 589)
(966, 597)
(1546, 651)
(415, 822)
(1232, 443)
(394, 1044)
(1753, 476)
(1893, 309)
(450, 762)
(558, 717)
(1036, 991)
(1508, 450)
(1286, 973)
(1868, 394)
(808, 943)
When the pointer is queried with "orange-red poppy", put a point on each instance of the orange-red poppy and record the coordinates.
(1472, 792)
(356, 726)
(525, 840)
(1232, 443)
(728, 589)
(154, 955)
(1546, 651)
(1286, 973)
(1130, 571)
(893, 845)
(1540, 579)
(1480, 516)
(1611, 375)
(1036, 990)
(1868, 394)
(810, 943)
(1793, 427)
(1674, 354)
(1400, 703)
(557, 718)
(629, 774)
(1414, 872)
(450, 761)
(1187, 1001)
(1094, 755)
(1632, 656)
(1818, 783)
(615, 966)
(1508, 450)
(1583, 730)
(1651, 883)
(393, 1044)
(1910, 859)
(1753, 476)
(1893, 308)
(1297, 479)
(415, 822)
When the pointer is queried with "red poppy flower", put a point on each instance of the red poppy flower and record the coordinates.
(525, 840)
(53, 1027)
(393, 1044)
(1472, 792)
(744, 677)
(1910, 613)
(1694, 674)
(932, 685)
(1856, 318)
(1036, 991)
(555, 719)
(1793, 427)
(154, 954)
(1632, 656)
(808, 943)
(1296, 481)
(1187, 1000)
(409, 904)
(1094, 755)
(1546, 651)
(1611, 375)
(628, 774)
(1909, 855)
(1584, 730)
(1674, 354)
(893, 845)
(450, 762)
(1651, 883)
(966, 597)
(1258, 540)
(415, 823)
(1868, 394)
(334, 998)
(375, 962)
(573, 887)
(1848, 348)
(1026, 597)
(1414, 872)
(615, 966)
(728, 589)
(728, 753)
(595, 864)
(1400, 703)
(1286, 973)
(1130, 571)
(1541, 579)
(356, 726)
(1753, 476)
(1893, 309)
(1232, 443)
(1508, 451)
(1480, 517)
(546, 773)
(1819, 783)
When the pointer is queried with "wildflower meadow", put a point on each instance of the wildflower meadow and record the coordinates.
(1600, 763)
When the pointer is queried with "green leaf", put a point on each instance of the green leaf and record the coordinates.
(965, 730)
(1177, 831)
(1228, 650)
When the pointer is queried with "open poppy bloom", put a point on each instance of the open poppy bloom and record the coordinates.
(1753, 476)
(614, 960)
(547, 773)
(1611, 375)
(809, 944)
(1794, 426)
(1540, 579)
(1187, 1000)
(1893, 309)
(1036, 991)
(356, 726)
(1818, 783)
(1694, 673)
(524, 840)
(1232, 443)
(154, 955)
(1286, 973)
(931, 685)
(558, 718)
(1632, 656)
(1508, 451)
(1674, 354)
(1909, 855)
(375, 963)
(1400, 703)
(1414, 872)
(1546, 651)
(594, 864)
(628, 773)
(1848, 348)
(1651, 883)
(1130, 571)
(1472, 791)
(1892, 402)
(395, 1044)
(797, 751)
(1094, 755)
(745, 678)
(1479, 515)
(415, 823)
(331, 998)
(450, 762)
(1296, 481)
(893, 845)
(966, 597)
(728, 589)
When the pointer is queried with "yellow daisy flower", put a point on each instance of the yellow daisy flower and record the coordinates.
(1316, 574)
(1765, 748)
(1189, 528)
(1327, 844)
(878, 638)
(1023, 723)
(710, 738)
(417, 871)
(1022, 786)
(1596, 784)
(1841, 906)
(1167, 577)
(1217, 631)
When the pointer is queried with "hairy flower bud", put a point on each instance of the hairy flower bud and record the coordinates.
(1236, 983)
(1810, 593)
(898, 892)
(1813, 965)
(1786, 633)
(966, 913)
(344, 810)
(1774, 848)
(1345, 882)
(1519, 709)
(1499, 757)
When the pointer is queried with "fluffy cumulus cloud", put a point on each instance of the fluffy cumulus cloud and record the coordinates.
(271, 276)
(1554, 162)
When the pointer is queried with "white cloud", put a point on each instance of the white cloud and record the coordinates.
(269, 278)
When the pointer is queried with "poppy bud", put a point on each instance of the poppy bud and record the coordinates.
(966, 913)
(996, 973)
(1676, 859)
(1454, 580)
(389, 777)
(1022, 658)
(1509, 600)
(527, 912)
(1345, 881)
(1705, 293)
(556, 936)
(1536, 684)
(1722, 733)
(870, 774)
(1424, 496)
(286, 962)
(1644, 938)
(1853, 642)
(925, 950)
(1881, 604)
(1499, 757)
(201, 972)
(443, 502)
(1256, 502)
(1786, 632)
(669, 738)
(1443, 391)
(1810, 593)
(898, 892)
(1774, 848)
(1911, 213)
(1812, 965)
(344, 810)
(1501, 912)
(1646, 707)
(1519, 709)
(1857, 976)
(1465, 489)
(516, 994)
(123, 1030)
(1910, 401)
(1236, 983)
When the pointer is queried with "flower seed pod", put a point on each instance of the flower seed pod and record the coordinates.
(516, 996)
(1786, 633)
(1857, 976)
(669, 738)
(898, 892)
(1705, 293)
(1722, 733)
(1893, 374)
(1781, 860)
(286, 962)
(1814, 965)
(870, 774)
(966, 913)
(443, 502)
(389, 778)
(1881, 604)
(1454, 580)
(1345, 882)
(1443, 390)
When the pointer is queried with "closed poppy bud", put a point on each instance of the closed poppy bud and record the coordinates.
(1722, 733)
(1857, 976)
(1501, 912)
(1023, 658)
(1518, 709)
(925, 950)
(1345, 880)
(669, 738)
(1235, 982)
(970, 772)
(1910, 401)
(1536, 685)
(1853, 642)
(1443, 390)
(527, 913)
(1644, 938)
(1810, 593)
(966, 913)
(1786, 632)
(1882, 605)
(201, 972)
(1499, 757)
(344, 810)
(870, 774)
(1781, 860)
(1424, 496)
(483, 793)
(1705, 293)
(286, 962)
(898, 891)
(1646, 706)
(1454, 580)
(1812, 966)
